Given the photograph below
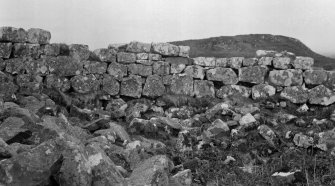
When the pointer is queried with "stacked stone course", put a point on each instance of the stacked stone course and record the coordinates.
(28, 60)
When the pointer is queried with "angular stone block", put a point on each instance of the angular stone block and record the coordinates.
(131, 86)
(231, 90)
(125, 57)
(205, 61)
(139, 69)
(27, 50)
(37, 67)
(262, 91)
(79, 52)
(53, 49)
(153, 86)
(117, 70)
(315, 77)
(330, 82)
(203, 88)
(181, 84)
(95, 67)
(142, 56)
(247, 62)
(5, 50)
(138, 47)
(253, 74)
(62, 83)
(155, 57)
(38, 36)
(195, 71)
(179, 60)
(29, 83)
(265, 61)
(105, 55)
(161, 68)
(321, 95)
(290, 77)
(11, 34)
(110, 85)
(165, 49)
(235, 62)
(221, 62)
(226, 75)
(184, 51)
(295, 94)
(64, 66)
(304, 63)
(281, 62)
(85, 83)
(177, 68)
(145, 62)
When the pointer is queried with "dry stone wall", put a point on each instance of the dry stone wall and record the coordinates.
(28, 62)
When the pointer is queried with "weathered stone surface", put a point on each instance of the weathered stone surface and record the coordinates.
(62, 83)
(38, 36)
(304, 63)
(302, 140)
(117, 108)
(182, 84)
(2, 64)
(153, 171)
(179, 60)
(254, 74)
(230, 90)
(321, 95)
(262, 91)
(281, 62)
(184, 51)
(124, 57)
(205, 61)
(177, 68)
(265, 61)
(155, 57)
(154, 86)
(268, 134)
(131, 86)
(216, 128)
(7, 86)
(226, 75)
(95, 67)
(105, 55)
(138, 47)
(10, 127)
(184, 177)
(290, 77)
(315, 77)
(26, 50)
(145, 62)
(203, 88)
(247, 62)
(117, 70)
(221, 62)
(5, 50)
(295, 94)
(261, 53)
(11, 34)
(247, 119)
(167, 79)
(53, 49)
(29, 83)
(79, 52)
(142, 56)
(64, 66)
(85, 83)
(195, 71)
(139, 69)
(235, 62)
(37, 67)
(161, 68)
(110, 85)
(15, 65)
(330, 82)
(165, 49)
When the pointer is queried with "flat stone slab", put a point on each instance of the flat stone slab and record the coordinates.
(165, 49)
(304, 63)
(38, 36)
(289, 77)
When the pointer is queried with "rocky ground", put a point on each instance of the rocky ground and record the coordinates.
(173, 140)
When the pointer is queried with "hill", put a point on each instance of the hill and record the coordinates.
(247, 45)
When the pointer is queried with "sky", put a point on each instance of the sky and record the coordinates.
(102, 22)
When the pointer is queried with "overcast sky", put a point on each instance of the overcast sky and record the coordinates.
(101, 22)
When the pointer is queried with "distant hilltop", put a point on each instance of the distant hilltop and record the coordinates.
(247, 45)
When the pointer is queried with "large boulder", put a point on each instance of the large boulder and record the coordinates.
(125, 57)
(11, 34)
(205, 61)
(165, 49)
(290, 77)
(262, 91)
(131, 86)
(138, 47)
(226, 75)
(281, 62)
(315, 77)
(295, 94)
(154, 86)
(117, 70)
(304, 63)
(38, 36)
(203, 88)
(195, 71)
(230, 90)
(181, 84)
(79, 51)
(321, 95)
(253, 74)
(5, 50)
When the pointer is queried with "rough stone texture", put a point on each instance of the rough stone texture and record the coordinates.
(38, 67)
(177, 68)
(315, 77)
(117, 70)
(5, 50)
(155, 57)
(85, 84)
(124, 57)
(7, 86)
(2, 64)
(179, 60)
(79, 52)
(330, 83)
(95, 67)
(117, 108)
(26, 50)
(131, 86)
(247, 62)
(290, 77)
(226, 75)
(205, 61)
(281, 62)
(265, 61)
(181, 84)
(145, 62)
(142, 56)
(38, 36)
(139, 69)
(221, 62)
(154, 86)
(165, 49)
(254, 74)
(203, 88)
(29, 83)
(262, 91)
(62, 83)
(110, 85)
(195, 71)
(304, 63)
(184, 51)
(321, 95)
(10, 127)
(138, 47)
(11, 34)
(53, 49)
(235, 62)
(161, 68)
(15, 65)
(231, 90)
(295, 94)
(105, 55)
(64, 66)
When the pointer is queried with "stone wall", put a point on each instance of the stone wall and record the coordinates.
(29, 62)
